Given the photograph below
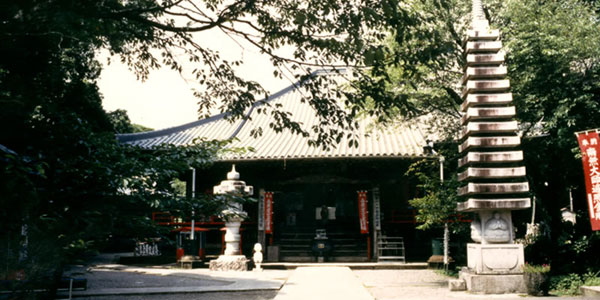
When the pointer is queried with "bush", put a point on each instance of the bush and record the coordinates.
(569, 284)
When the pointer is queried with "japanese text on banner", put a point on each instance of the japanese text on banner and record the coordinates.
(590, 148)
(362, 212)
(268, 212)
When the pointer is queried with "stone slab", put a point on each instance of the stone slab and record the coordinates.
(483, 46)
(478, 113)
(485, 99)
(490, 34)
(495, 259)
(472, 204)
(482, 86)
(491, 157)
(456, 285)
(493, 284)
(485, 59)
(489, 127)
(471, 173)
(484, 72)
(229, 263)
(590, 291)
(494, 188)
(489, 142)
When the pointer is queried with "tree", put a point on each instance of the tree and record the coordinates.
(122, 124)
(67, 178)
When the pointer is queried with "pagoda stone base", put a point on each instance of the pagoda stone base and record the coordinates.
(492, 269)
(229, 263)
(493, 284)
(495, 259)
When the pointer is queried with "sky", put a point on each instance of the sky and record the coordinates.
(166, 98)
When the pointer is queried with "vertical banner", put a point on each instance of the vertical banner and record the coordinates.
(261, 210)
(376, 209)
(588, 143)
(362, 212)
(269, 212)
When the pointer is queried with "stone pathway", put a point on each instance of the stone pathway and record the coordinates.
(323, 283)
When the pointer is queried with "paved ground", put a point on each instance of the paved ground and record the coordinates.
(324, 283)
(253, 295)
(110, 282)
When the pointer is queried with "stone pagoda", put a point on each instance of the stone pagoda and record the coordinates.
(491, 166)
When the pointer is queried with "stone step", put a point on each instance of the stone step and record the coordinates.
(489, 127)
(490, 142)
(493, 188)
(491, 157)
(484, 86)
(473, 204)
(470, 173)
(486, 99)
(484, 72)
(491, 34)
(486, 59)
(483, 46)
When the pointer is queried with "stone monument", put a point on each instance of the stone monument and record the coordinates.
(233, 215)
(491, 164)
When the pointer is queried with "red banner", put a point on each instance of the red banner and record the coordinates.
(362, 212)
(590, 148)
(269, 212)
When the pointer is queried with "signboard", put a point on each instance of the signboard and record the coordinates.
(261, 210)
(362, 212)
(269, 212)
(376, 209)
(590, 148)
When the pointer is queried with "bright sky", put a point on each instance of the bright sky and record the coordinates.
(166, 98)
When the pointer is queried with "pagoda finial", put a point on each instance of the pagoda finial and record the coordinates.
(478, 17)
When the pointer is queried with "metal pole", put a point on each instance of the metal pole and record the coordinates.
(571, 200)
(375, 233)
(533, 211)
(70, 288)
(193, 196)
(446, 231)
(442, 159)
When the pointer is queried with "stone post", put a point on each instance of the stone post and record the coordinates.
(491, 164)
(233, 215)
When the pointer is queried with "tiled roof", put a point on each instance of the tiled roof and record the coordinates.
(403, 141)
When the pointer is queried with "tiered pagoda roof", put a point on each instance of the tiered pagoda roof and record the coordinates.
(491, 166)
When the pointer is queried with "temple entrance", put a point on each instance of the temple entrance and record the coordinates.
(318, 221)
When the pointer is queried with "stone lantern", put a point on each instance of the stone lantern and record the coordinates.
(233, 215)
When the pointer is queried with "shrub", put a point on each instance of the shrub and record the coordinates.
(569, 284)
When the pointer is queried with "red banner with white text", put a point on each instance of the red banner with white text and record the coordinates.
(269, 212)
(363, 215)
(590, 148)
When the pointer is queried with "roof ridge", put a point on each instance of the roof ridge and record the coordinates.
(129, 137)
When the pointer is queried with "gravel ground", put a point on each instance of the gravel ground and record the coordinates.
(422, 285)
